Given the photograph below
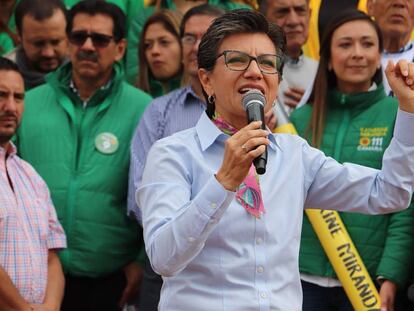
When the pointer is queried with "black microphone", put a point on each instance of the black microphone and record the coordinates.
(253, 102)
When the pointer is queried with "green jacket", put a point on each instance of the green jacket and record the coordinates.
(358, 129)
(83, 155)
(156, 89)
(138, 22)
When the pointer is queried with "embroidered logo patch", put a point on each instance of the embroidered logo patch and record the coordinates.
(372, 138)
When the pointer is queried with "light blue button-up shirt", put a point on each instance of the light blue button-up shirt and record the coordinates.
(212, 254)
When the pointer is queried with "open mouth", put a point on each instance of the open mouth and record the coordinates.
(244, 90)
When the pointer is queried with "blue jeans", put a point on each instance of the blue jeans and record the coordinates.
(318, 298)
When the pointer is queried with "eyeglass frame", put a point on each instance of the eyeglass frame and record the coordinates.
(194, 39)
(278, 58)
(91, 35)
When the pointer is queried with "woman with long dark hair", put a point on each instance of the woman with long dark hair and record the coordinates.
(160, 53)
(351, 119)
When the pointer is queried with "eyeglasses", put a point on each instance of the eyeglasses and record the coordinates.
(240, 61)
(99, 40)
(190, 39)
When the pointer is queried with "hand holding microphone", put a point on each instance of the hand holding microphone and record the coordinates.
(248, 145)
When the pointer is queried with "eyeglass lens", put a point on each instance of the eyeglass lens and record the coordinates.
(239, 61)
(98, 39)
(190, 39)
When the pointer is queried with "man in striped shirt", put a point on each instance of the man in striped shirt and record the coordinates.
(31, 276)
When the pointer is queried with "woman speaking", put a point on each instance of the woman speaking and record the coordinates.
(225, 238)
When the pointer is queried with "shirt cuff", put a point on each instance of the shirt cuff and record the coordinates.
(57, 242)
(404, 127)
(214, 198)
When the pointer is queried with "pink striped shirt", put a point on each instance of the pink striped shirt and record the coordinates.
(28, 226)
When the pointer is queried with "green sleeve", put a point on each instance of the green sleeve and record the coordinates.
(397, 256)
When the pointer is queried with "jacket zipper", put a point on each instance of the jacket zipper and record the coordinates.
(342, 129)
(72, 191)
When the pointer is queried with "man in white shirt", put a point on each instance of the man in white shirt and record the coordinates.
(299, 70)
(396, 21)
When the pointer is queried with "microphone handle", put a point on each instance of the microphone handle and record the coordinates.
(255, 113)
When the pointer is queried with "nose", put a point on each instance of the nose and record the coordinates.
(9, 104)
(155, 49)
(88, 44)
(400, 3)
(292, 18)
(357, 51)
(48, 51)
(253, 71)
(196, 44)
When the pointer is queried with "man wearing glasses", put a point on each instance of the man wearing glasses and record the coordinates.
(76, 132)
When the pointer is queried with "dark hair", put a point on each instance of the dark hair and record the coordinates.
(326, 79)
(7, 64)
(204, 9)
(236, 22)
(38, 9)
(94, 7)
(170, 20)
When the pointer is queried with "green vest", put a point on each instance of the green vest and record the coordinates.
(83, 155)
(358, 129)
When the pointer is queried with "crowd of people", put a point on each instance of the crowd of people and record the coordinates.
(126, 158)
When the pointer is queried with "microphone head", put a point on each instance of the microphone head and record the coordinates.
(252, 97)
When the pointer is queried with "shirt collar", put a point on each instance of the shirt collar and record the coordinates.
(208, 133)
(75, 90)
(404, 49)
(294, 62)
(189, 92)
(9, 150)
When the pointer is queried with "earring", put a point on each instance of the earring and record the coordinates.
(274, 103)
(211, 99)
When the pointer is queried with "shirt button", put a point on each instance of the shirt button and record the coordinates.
(260, 269)
(259, 241)
(213, 205)
(263, 295)
(190, 239)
